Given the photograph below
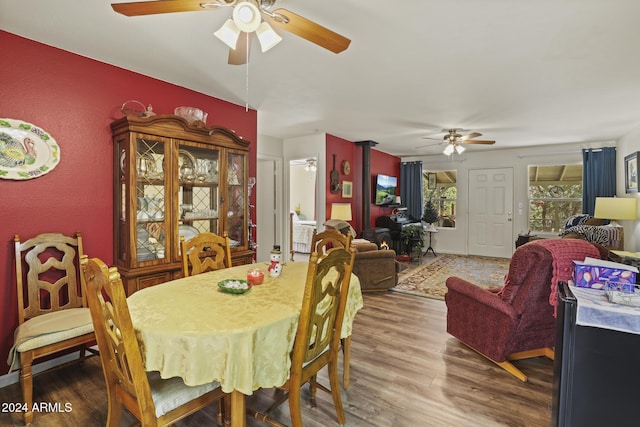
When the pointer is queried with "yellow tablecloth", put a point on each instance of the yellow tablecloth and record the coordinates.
(191, 329)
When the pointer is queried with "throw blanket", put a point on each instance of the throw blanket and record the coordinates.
(564, 252)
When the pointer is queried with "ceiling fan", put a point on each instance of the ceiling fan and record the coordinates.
(248, 17)
(454, 140)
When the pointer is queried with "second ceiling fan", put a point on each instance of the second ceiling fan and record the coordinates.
(248, 17)
(454, 140)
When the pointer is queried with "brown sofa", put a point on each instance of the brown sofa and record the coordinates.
(375, 268)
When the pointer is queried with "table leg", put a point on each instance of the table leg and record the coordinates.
(238, 410)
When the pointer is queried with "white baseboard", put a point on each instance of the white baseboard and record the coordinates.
(14, 376)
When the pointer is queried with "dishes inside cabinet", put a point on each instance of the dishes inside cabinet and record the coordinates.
(186, 166)
(188, 231)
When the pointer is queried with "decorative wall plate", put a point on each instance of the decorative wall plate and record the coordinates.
(346, 167)
(26, 151)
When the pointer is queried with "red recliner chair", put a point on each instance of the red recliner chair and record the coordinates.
(516, 321)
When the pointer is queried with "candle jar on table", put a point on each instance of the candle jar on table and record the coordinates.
(255, 277)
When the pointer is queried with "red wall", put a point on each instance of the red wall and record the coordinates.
(385, 164)
(344, 150)
(75, 99)
(380, 163)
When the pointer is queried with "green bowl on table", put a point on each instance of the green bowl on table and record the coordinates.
(234, 286)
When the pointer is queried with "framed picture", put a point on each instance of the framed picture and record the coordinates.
(631, 173)
(347, 189)
(431, 181)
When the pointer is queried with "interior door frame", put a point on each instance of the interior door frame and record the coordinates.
(266, 186)
(505, 248)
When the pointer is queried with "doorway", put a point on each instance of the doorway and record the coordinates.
(303, 204)
(269, 202)
(490, 228)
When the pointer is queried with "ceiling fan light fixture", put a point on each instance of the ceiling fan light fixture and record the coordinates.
(228, 34)
(246, 16)
(460, 149)
(267, 36)
(449, 149)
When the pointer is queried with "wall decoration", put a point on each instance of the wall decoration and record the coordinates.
(347, 189)
(631, 173)
(334, 182)
(346, 167)
(431, 182)
(26, 151)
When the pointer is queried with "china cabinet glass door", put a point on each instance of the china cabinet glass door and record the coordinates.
(236, 203)
(198, 203)
(149, 199)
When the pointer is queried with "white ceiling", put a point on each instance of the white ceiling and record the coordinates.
(521, 72)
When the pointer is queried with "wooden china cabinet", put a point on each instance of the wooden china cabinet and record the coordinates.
(173, 178)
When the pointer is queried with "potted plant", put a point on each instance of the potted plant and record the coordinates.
(412, 240)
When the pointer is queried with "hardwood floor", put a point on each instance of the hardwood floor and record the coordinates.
(405, 371)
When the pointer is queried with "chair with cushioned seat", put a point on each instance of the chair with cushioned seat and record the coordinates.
(152, 400)
(52, 311)
(317, 340)
(205, 252)
(321, 244)
(516, 321)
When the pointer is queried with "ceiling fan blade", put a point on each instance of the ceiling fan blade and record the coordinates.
(239, 55)
(140, 8)
(473, 141)
(309, 30)
(428, 137)
(429, 145)
(469, 136)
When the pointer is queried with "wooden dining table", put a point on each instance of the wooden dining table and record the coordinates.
(190, 328)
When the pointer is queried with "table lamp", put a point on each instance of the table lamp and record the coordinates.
(341, 211)
(615, 208)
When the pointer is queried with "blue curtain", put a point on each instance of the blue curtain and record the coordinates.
(411, 187)
(598, 176)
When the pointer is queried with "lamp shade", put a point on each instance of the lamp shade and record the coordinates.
(228, 33)
(341, 211)
(616, 208)
(267, 36)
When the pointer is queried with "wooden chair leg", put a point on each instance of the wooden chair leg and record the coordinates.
(334, 381)
(313, 388)
(26, 383)
(346, 355)
(294, 408)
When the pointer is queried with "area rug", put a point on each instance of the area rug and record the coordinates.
(428, 280)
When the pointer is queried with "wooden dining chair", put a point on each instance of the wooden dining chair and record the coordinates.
(52, 311)
(152, 400)
(317, 340)
(322, 243)
(205, 252)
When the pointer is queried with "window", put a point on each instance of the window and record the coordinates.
(440, 188)
(555, 194)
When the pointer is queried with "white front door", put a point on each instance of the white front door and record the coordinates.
(491, 212)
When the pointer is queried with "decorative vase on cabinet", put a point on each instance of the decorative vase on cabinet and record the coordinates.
(173, 178)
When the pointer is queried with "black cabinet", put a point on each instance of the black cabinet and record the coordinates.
(596, 374)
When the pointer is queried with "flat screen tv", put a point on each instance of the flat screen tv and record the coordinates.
(386, 189)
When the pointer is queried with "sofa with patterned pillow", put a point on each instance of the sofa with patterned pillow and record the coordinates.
(593, 230)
